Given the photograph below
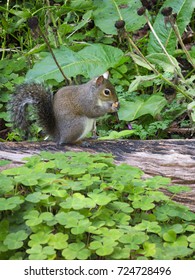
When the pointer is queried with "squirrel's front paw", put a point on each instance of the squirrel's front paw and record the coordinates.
(115, 106)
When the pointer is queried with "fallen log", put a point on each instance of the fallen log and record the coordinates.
(174, 159)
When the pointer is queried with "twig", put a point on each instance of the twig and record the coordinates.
(34, 25)
(163, 48)
(177, 33)
(52, 53)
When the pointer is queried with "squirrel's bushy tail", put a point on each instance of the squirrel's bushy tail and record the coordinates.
(41, 98)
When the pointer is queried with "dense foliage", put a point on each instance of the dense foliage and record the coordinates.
(150, 54)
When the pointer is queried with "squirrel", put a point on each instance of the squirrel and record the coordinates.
(69, 114)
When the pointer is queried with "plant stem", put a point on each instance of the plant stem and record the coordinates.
(4, 32)
(52, 53)
(136, 66)
(54, 23)
(118, 10)
(177, 33)
(190, 73)
(163, 48)
(177, 88)
(140, 53)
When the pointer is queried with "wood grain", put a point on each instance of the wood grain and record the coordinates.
(170, 158)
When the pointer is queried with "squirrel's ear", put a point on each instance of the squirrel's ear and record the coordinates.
(99, 81)
(101, 78)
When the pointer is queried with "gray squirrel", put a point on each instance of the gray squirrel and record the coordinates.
(68, 115)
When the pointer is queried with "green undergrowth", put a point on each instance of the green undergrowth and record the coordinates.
(84, 206)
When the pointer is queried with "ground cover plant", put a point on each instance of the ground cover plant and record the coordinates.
(83, 206)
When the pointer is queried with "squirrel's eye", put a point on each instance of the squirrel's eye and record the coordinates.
(107, 92)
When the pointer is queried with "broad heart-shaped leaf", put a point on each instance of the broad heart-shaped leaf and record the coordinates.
(107, 12)
(132, 110)
(91, 61)
(184, 10)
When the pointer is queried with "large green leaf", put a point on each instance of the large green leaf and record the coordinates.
(184, 10)
(130, 111)
(144, 81)
(90, 62)
(107, 12)
(161, 59)
(156, 60)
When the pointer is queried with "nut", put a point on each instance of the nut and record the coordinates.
(115, 105)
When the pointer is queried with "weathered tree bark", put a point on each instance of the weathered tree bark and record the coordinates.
(170, 158)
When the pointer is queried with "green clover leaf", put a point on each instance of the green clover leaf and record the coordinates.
(15, 240)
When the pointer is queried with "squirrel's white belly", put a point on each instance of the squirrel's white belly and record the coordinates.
(89, 125)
